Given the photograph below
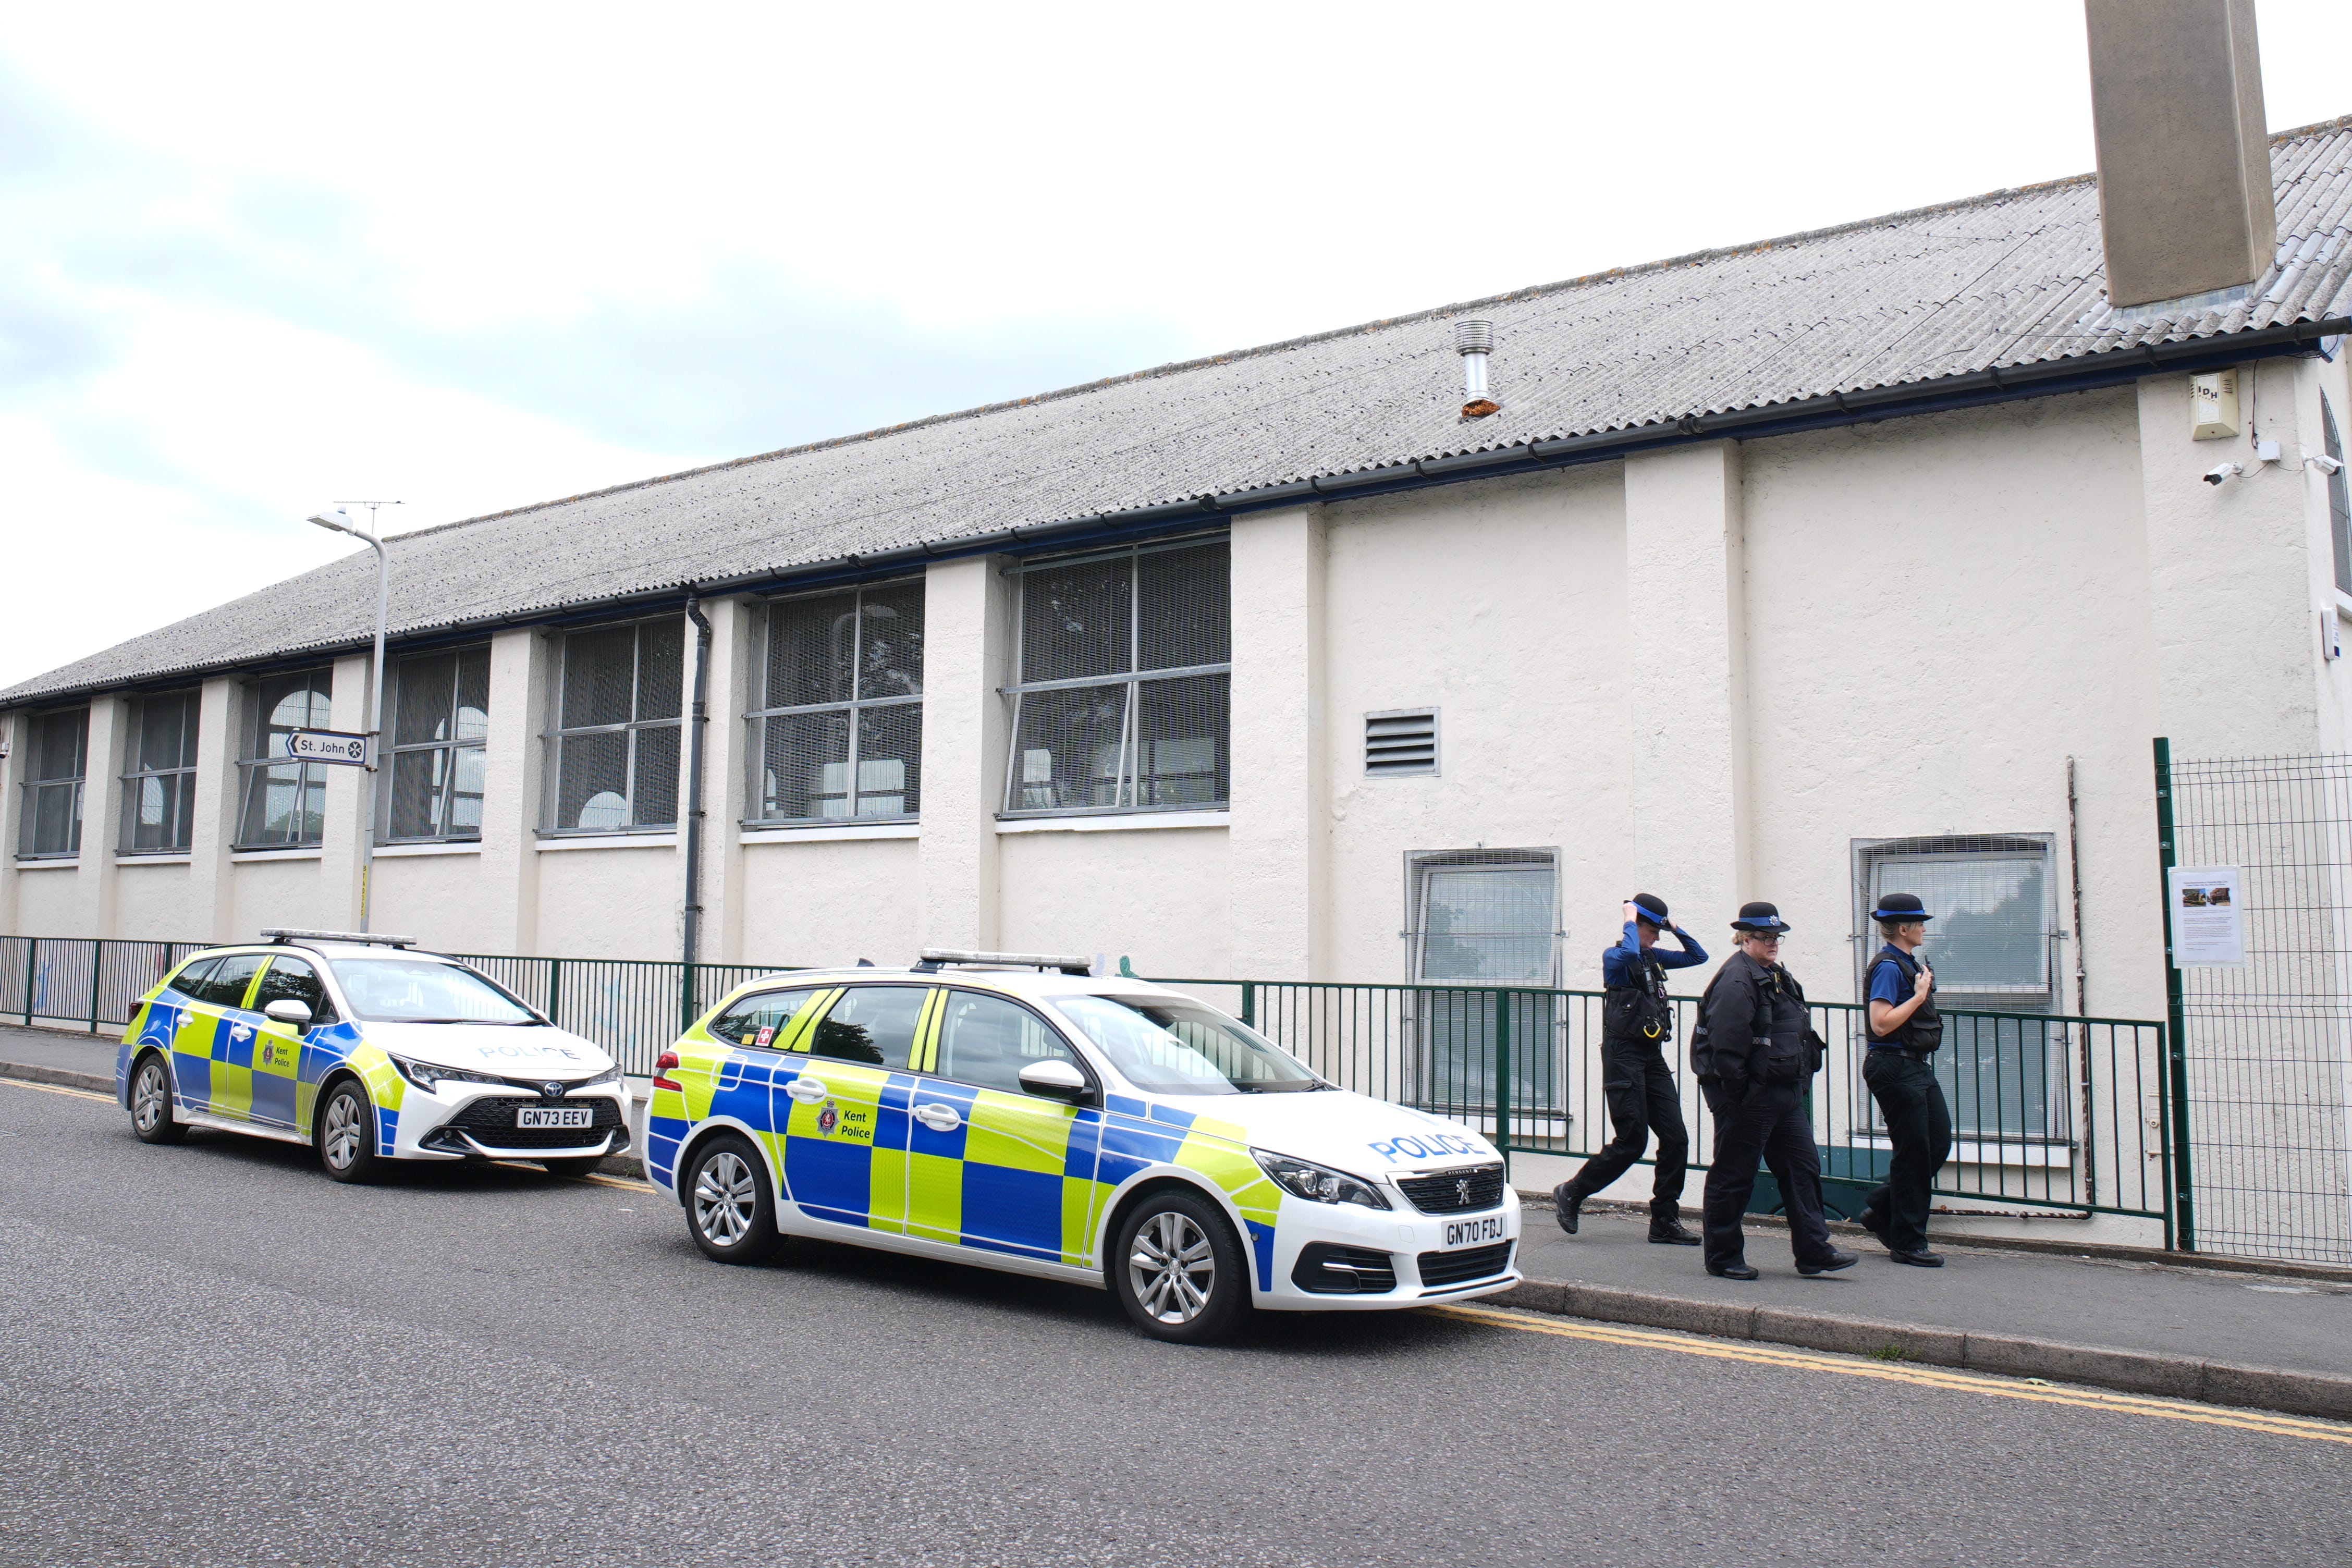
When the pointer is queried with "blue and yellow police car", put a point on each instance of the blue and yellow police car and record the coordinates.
(367, 1049)
(1020, 1112)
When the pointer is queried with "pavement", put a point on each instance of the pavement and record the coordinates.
(2118, 1321)
(211, 1354)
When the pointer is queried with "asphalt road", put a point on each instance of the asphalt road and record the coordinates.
(212, 1354)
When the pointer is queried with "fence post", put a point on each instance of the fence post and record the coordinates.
(1502, 1078)
(97, 969)
(2180, 1222)
(554, 986)
(1249, 1002)
(32, 967)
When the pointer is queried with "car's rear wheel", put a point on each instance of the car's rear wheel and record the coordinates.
(573, 1168)
(347, 1133)
(150, 1102)
(729, 1206)
(1180, 1270)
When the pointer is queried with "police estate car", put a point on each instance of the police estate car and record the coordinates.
(367, 1050)
(1016, 1111)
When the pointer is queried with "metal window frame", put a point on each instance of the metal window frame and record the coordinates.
(389, 752)
(134, 746)
(1418, 863)
(554, 735)
(2339, 497)
(255, 735)
(28, 814)
(1132, 679)
(755, 719)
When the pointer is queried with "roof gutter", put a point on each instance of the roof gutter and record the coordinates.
(1974, 389)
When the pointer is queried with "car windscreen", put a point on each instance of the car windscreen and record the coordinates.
(417, 991)
(1166, 1046)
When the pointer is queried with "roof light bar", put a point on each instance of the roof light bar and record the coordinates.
(936, 958)
(276, 933)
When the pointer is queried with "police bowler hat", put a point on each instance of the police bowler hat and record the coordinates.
(1650, 907)
(1904, 908)
(1760, 918)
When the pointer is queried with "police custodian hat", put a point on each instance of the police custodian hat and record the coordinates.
(1903, 907)
(1761, 917)
(1650, 907)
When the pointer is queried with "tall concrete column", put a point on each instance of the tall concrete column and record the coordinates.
(967, 642)
(511, 800)
(724, 770)
(1280, 836)
(213, 828)
(102, 814)
(1686, 666)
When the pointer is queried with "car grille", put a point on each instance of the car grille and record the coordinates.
(1455, 1267)
(1327, 1268)
(1455, 1192)
(491, 1121)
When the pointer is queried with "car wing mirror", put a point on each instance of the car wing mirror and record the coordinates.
(285, 1010)
(1056, 1079)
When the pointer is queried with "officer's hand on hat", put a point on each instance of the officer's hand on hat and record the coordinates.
(1630, 913)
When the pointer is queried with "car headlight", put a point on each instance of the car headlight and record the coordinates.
(610, 1074)
(427, 1077)
(1318, 1184)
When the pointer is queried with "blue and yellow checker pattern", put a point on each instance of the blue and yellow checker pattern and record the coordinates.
(233, 1062)
(1011, 1173)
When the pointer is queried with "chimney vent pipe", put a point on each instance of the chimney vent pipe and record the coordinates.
(1473, 340)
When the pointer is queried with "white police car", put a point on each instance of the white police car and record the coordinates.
(1018, 1113)
(368, 1050)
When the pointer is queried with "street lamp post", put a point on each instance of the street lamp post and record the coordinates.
(339, 520)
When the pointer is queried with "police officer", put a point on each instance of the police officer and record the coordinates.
(1755, 1052)
(1904, 1031)
(1637, 1022)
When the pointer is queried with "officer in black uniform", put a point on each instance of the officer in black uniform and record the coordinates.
(1637, 1022)
(1755, 1053)
(1904, 1031)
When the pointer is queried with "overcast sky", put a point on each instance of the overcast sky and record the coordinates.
(255, 259)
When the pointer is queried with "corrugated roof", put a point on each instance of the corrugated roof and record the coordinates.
(2010, 278)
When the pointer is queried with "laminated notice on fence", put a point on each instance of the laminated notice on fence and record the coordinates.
(2208, 921)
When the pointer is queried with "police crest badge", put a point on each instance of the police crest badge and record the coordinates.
(828, 1119)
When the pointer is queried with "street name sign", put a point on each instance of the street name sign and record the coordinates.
(339, 746)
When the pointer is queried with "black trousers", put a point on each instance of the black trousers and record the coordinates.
(1643, 1100)
(1769, 1124)
(1919, 1125)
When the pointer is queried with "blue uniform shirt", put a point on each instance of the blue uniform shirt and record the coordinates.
(1622, 964)
(1888, 984)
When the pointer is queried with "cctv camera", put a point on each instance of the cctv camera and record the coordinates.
(2220, 472)
(2328, 465)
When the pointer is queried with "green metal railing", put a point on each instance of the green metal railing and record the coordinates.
(2052, 1113)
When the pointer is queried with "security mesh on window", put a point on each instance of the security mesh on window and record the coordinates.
(1124, 673)
(440, 724)
(1401, 742)
(282, 804)
(619, 707)
(56, 748)
(1484, 925)
(1993, 947)
(2339, 499)
(159, 778)
(836, 722)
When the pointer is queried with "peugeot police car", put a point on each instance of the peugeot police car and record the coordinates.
(366, 1049)
(1019, 1112)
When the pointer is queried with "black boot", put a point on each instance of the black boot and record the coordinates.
(1570, 1202)
(1669, 1231)
(1876, 1224)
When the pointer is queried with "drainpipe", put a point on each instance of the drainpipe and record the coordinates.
(700, 717)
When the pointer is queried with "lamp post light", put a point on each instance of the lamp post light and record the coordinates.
(339, 519)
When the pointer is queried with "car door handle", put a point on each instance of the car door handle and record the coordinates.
(807, 1089)
(938, 1118)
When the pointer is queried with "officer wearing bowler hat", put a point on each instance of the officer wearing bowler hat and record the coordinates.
(1637, 1022)
(1755, 1053)
(1904, 1031)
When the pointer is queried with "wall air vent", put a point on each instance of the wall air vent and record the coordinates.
(1401, 742)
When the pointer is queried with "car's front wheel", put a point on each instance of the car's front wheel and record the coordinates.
(347, 1133)
(150, 1102)
(1180, 1270)
(729, 1206)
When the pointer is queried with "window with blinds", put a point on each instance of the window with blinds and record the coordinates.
(440, 727)
(1123, 671)
(836, 720)
(617, 699)
(159, 775)
(56, 749)
(282, 804)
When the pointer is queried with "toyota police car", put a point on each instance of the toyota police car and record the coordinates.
(367, 1050)
(1019, 1112)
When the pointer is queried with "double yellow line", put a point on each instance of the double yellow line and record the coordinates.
(1898, 1372)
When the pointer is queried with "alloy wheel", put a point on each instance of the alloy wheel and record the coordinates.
(1172, 1269)
(341, 1144)
(726, 1198)
(150, 1098)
